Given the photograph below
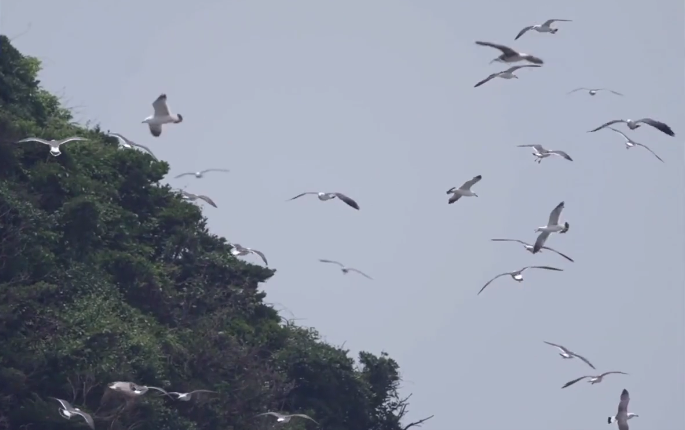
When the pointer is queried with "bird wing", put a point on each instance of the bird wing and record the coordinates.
(569, 383)
(202, 391)
(331, 261)
(34, 139)
(347, 200)
(554, 250)
(658, 125)
(505, 49)
(468, 184)
(161, 390)
(208, 200)
(485, 80)
(490, 281)
(303, 194)
(542, 267)
(87, 417)
(622, 414)
(352, 269)
(558, 346)
(184, 174)
(454, 198)
(522, 32)
(613, 371)
(561, 153)
(512, 69)
(542, 237)
(582, 358)
(155, 129)
(621, 133)
(606, 89)
(577, 89)
(120, 137)
(275, 414)
(538, 148)
(160, 106)
(510, 240)
(261, 255)
(550, 21)
(606, 125)
(149, 151)
(214, 170)
(304, 416)
(647, 148)
(554, 215)
(66, 405)
(71, 139)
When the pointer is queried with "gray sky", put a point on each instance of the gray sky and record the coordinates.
(375, 99)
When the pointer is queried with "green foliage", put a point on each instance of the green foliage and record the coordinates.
(107, 275)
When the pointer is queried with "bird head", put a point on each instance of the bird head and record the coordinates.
(566, 227)
(180, 118)
(554, 30)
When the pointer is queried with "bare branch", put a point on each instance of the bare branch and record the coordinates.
(417, 423)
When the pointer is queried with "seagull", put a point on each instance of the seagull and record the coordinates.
(187, 396)
(133, 389)
(509, 55)
(464, 190)
(551, 227)
(506, 74)
(542, 28)
(629, 416)
(622, 414)
(633, 124)
(284, 418)
(630, 143)
(518, 274)
(128, 144)
(567, 353)
(68, 411)
(529, 247)
(540, 152)
(161, 116)
(328, 196)
(201, 173)
(593, 91)
(346, 269)
(192, 197)
(53, 144)
(240, 250)
(593, 379)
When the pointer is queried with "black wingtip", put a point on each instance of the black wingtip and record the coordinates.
(180, 118)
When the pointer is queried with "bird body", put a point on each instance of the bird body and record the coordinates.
(346, 269)
(629, 415)
(68, 411)
(635, 124)
(193, 197)
(552, 226)
(133, 389)
(530, 248)
(540, 152)
(592, 379)
(53, 144)
(161, 116)
(517, 275)
(506, 74)
(630, 143)
(509, 55)
(324, 196)
(239, 250)
(545, 27)
(464, 190)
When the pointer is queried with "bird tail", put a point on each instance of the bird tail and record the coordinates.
(611, 420)
(554, 30)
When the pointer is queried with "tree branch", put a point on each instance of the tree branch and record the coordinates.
(417, 423)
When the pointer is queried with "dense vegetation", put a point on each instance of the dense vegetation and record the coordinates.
(108, 275)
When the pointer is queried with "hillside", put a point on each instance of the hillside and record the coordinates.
(108, 275)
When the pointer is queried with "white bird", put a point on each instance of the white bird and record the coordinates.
(593, 379)
(540, 152)
(68, 411)
(528, 247)
(518, 274)
(509, 55)
(593, 91)
(346, 269)
(128, 144)
(284, 418)
(133, 389)
(568, 354)
(552, 226)
(464, 190)
(53, 144)
(506, 74)
(622, 414)
(186, 397)
(633, 124)
(629, 416)
(192, 197)
(201, 173)
(545, 27)
(328, 196)
(241, 250)
(161, 116)
(630, 143)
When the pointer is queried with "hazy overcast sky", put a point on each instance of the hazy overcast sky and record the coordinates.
(375, 99)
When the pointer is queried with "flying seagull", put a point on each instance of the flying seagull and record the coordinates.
(328, 196)
(187, 396)
(464, 190)
(593, 379)
(518, 274)
(509, 55)
(161, 116)
(53, 144)
(192, 197)
(633, 124)
(552, 226)
(528, 247)
(128, 144)
(241, 250)
(567, 353)
(346, 269)
(133, 389)
(593, 91)
(284, 418)
(630, 143)
(629, 416)
(540, 152)
(622, 414)
(506, 74)
(542, 28)
(68, 411)
(201, 173)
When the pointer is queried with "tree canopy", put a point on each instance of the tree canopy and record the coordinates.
(107, 274)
